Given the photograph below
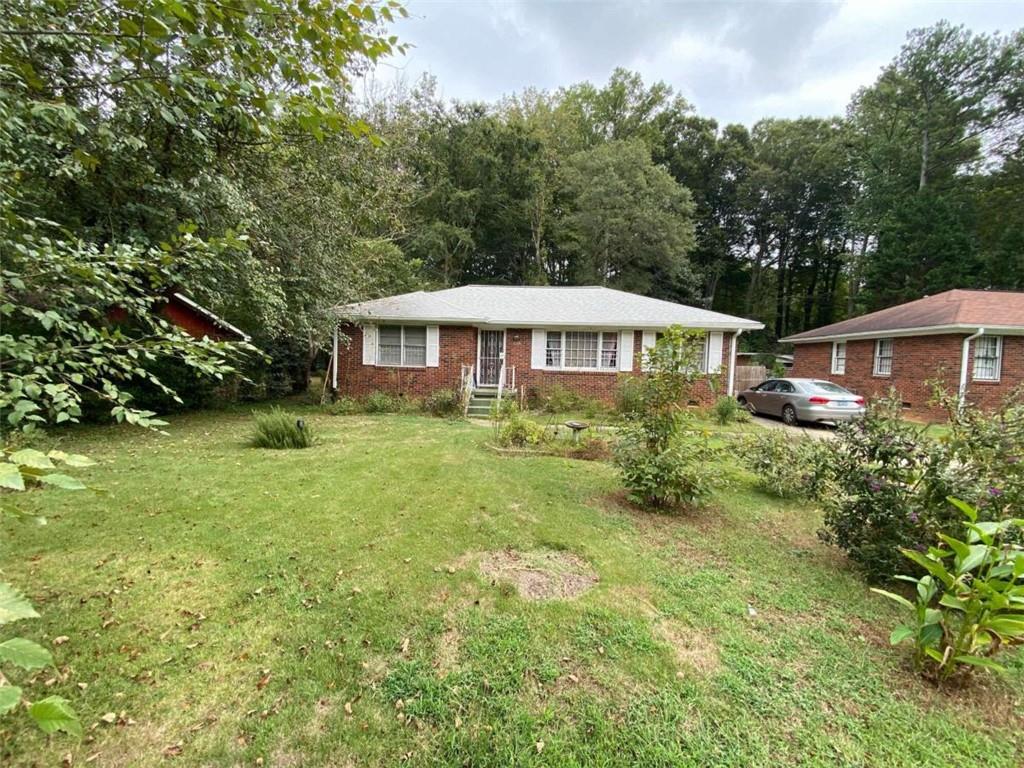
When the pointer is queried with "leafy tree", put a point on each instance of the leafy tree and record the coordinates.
(122, 121)
(625, 219)
(950, 101)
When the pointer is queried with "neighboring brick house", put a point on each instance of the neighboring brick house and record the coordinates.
(972, 341)
(522, 338)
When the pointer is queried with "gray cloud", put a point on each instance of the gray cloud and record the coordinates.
(736, 61)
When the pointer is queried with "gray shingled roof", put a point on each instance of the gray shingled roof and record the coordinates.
(544, 306)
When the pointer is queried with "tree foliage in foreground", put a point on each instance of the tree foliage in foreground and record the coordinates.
(122, 128)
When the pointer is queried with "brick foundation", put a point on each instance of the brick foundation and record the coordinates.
(916, 361)
(457, 347)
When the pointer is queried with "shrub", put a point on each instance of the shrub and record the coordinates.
(726, 410)
(970, 602)
(443, 402)
(383, 402)
(512, 429)
(658, 468)
(679, 474)
(559, 399)
(888, 482)
(280, 429)
(786, 467)
(629, 396)
(343, 406)
(521, 432)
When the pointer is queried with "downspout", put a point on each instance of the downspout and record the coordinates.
(732, 361)
(334, 360)
(964, 359)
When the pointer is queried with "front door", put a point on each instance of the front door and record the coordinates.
(490, 356)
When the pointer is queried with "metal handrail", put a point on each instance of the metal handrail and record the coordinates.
(501, 381)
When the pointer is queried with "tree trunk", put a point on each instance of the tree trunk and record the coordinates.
(923, 179)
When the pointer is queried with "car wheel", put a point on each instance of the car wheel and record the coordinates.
(744, 404)
(789, 416)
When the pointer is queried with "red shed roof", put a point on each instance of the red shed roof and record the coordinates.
(956, 310)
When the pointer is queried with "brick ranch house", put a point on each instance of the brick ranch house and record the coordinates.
(973, 341)
(524, 339)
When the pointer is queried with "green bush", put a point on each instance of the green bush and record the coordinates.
(678, 474)
(280, 429)
(343, 406)
(970, 602)
(559, 399)
(383, 402)
(659, 468)
(785, 466)
(512, 429)
(629, 396)
(520, 432)
(887, 481)
(446, 403)
(726, 410)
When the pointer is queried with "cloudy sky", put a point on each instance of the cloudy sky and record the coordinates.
(736, 60)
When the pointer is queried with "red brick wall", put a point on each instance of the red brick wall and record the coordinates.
(458, 347)
(916, 360)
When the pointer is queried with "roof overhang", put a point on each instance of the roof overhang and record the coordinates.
(929, 330)
(213, 318)
(561, 324)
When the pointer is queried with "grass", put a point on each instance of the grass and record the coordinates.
(323, 608)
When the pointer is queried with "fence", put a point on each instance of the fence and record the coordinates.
(749, 375)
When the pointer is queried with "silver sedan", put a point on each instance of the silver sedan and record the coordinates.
(797, 400)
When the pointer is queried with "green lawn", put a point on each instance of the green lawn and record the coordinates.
(324, 607)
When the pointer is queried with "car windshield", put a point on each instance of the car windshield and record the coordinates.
(827, 386)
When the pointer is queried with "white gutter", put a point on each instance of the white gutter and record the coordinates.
(926, 330)
(964, 359)
(334, 361)
(732, 361)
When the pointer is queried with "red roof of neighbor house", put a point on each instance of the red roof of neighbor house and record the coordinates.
(956, 309)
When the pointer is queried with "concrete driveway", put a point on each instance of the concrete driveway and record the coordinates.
(814, 431)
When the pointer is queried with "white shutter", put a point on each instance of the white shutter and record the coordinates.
(649, 339)
(369, 345)
(714, 352)
(538, 348)
(433, 355)
(625, 351)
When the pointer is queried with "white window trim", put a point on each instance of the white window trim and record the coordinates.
(878, 358)
(584, 369)
(705, 353)
(835, 358)
(999, 361)
(402, 364)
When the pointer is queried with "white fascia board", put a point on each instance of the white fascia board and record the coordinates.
(929, 330)
(626, 326)
(215, 319)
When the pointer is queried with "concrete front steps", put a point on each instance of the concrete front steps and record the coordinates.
(481, 400)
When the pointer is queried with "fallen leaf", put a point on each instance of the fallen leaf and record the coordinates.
(262, 683)
(348, 707)
(61, 640)
(405, 645)
(173, 750)
(540, 747)
(109, 718)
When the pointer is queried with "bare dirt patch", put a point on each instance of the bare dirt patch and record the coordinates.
(540, 575)
(692, 648)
